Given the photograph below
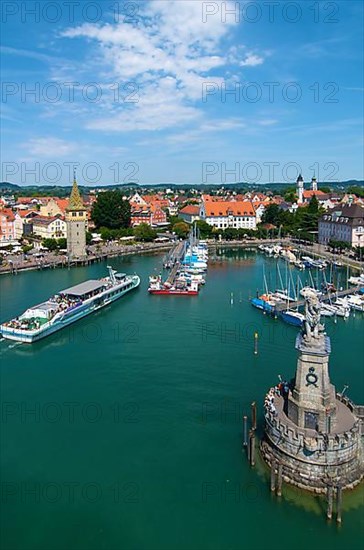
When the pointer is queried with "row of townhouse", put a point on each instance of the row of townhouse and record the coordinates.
(15, 225)
(149, 209)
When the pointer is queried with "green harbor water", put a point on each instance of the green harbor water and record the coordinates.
(124, 430)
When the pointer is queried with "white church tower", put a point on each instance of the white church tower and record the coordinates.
(299, 189)
(314, 184)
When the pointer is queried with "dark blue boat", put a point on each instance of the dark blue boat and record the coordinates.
(293, 318)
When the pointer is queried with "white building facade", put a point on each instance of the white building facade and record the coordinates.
(343, 223)
(229, 214)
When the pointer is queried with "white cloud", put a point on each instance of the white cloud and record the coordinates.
(169, 54)
(49, 147)
(251, 60)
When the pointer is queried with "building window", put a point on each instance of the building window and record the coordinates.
(74, 214)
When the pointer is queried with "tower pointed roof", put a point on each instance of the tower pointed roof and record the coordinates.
(75, 202)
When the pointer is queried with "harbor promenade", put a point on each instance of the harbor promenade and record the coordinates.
(17, 263)
(315, 250)
(49, 260)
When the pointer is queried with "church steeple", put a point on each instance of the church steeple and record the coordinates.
(299, 189)
(75, 202)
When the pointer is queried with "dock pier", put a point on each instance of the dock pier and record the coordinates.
(294, 304)
(174, 261)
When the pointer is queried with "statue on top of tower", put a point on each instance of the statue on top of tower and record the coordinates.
(312, 327)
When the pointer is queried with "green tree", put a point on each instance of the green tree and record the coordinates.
(27, 248)
(204, 228)
(357, 190)
(106, 234)
(62, 243)
(144, 232)
(290, 196)
(314, 205)
(88, 237)
(338, 245)
(359, 252)
(51, 244)
(272, 214)
(111, 211)
(174, 219)
(230, 233)
(181, 229)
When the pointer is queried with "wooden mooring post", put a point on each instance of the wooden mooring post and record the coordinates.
(279, 480)
(329, 501)
(245, 430)
(339, 502)
(252, 447)
(273, 476)
(254, 415)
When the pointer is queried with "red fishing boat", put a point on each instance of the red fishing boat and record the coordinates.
(156, 286)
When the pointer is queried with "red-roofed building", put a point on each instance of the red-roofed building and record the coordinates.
(190, 213)
(22, 222)
(7, 226)
(309, 193)
(28, 200)
(151, 214)
(54, 206)
(224, 214)
(49, 227)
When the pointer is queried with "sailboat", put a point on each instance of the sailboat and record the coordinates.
(265, 302)
(290, 316)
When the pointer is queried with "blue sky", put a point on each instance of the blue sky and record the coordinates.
(138, 93)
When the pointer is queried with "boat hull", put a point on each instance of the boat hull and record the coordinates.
(29, 337)
(262, 304)
(167, 292)
(291, 319)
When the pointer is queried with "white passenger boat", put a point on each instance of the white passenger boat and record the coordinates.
(68, 306)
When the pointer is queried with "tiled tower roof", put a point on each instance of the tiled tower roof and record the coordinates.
(75, 202)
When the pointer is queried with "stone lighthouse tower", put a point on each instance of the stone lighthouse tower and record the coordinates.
(76, 219)
(299, 189)
(311, 431)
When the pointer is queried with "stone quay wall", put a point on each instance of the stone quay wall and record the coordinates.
(313, 463)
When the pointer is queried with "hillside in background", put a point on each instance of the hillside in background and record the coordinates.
(61, 191)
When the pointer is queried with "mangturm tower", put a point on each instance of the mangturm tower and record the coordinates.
(76, 219)
(311, 431)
